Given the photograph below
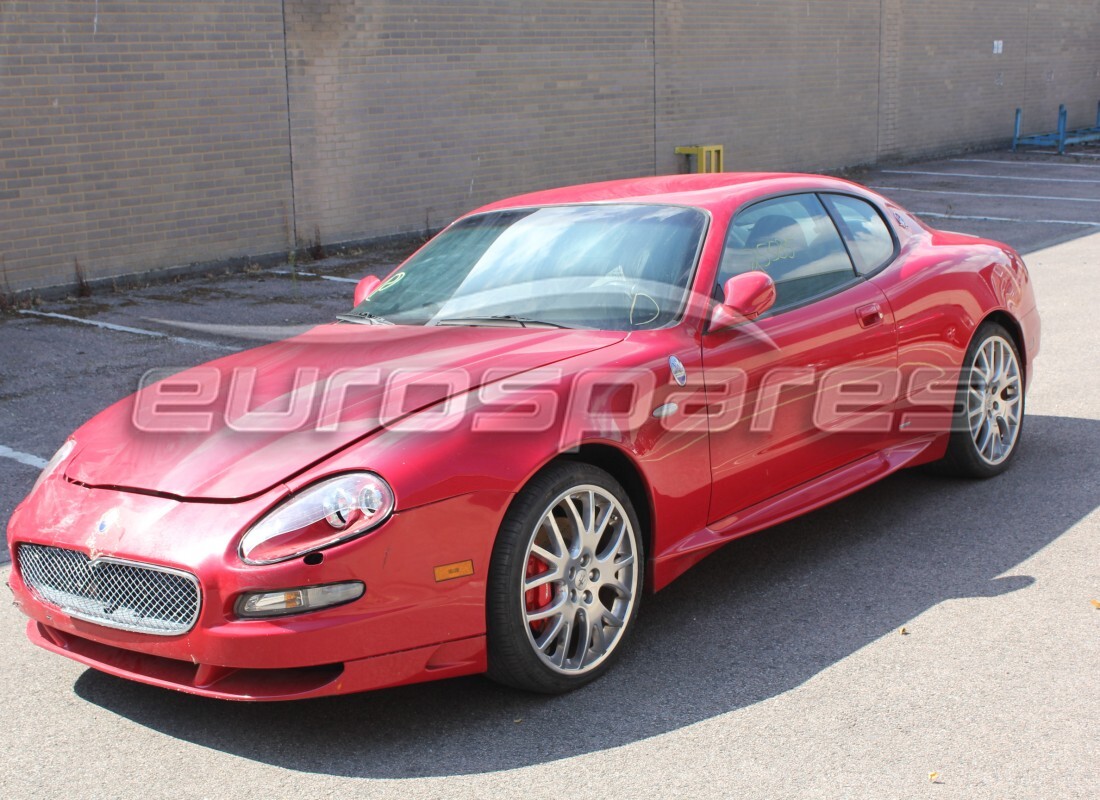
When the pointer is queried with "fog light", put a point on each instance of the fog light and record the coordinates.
(297, 601)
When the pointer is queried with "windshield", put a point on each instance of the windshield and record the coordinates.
(610, 267)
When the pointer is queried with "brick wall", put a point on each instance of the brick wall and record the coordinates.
(943, 87)
(790, 84)
(137, 134)
(951, 89)
(785, 84)
(1062, 63)
(407, 114)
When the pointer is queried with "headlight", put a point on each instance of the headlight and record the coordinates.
(62, 453)
(324, 514)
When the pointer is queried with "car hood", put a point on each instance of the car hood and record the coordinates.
(217, 434)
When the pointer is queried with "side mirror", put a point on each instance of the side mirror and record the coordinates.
(745, 297)
(365, 287)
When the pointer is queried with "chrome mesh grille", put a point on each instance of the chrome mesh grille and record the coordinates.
(112, 592)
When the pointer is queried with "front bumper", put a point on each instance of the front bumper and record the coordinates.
(407, 627)
(446, 660)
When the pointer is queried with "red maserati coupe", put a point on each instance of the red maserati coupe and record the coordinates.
(561, 400)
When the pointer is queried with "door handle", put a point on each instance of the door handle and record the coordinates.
(869, 315)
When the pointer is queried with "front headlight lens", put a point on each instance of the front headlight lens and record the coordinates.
(59, 457)
(324, 514)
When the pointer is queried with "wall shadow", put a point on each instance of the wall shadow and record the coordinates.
(758, 618)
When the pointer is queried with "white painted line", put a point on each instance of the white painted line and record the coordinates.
(1008, 219)
(22, 458)
(991, 177)
(988, 194)
(1021, 163)
(262, 333)
(314, 275)
(1071, 155)
(127, 329)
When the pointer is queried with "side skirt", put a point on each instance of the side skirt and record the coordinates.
(841, 482)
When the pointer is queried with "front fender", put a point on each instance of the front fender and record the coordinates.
(494, 439)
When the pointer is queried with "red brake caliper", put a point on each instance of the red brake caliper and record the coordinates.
(540, 596)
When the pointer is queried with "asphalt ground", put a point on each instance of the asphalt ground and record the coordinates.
(776, 668)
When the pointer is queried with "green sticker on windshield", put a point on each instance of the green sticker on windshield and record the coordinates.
(390, 281)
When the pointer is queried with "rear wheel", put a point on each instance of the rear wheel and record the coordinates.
(989, 408)
(565, 580)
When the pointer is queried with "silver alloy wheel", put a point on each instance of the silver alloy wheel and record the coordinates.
(580, 579)
(994, 400)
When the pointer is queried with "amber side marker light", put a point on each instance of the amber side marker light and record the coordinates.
(297, 601)
(459, 569)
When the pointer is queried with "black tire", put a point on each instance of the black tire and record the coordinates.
(591, 600)
(964, 458)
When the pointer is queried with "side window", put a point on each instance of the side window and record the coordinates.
(865, 231)
(794, 241)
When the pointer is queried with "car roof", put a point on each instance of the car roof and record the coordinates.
(708, 191)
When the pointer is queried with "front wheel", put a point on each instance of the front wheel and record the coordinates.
(565, 580)
(989, 408)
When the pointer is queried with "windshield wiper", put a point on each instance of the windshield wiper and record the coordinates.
(365, 318)
(522, 322)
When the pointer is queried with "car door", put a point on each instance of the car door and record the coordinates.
(806, 387)
(929, 348)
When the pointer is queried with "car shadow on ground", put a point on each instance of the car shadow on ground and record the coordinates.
(760, 617)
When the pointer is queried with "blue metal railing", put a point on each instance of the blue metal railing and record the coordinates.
(1060, 138)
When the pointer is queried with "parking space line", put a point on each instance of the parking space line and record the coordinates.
(1021, 163)
(313, 275)
(988, 194)
(994, 177)
(1007, 219)
(22, 458)
(1075, 155)
(127, 329)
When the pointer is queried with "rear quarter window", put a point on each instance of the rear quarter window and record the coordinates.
(864, 230)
